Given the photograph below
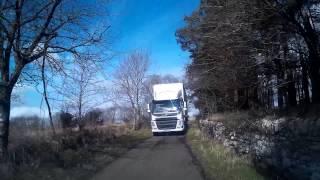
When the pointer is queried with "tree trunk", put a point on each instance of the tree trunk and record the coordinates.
(305, 84)
(311, 37)
(315, 79)
(46, 95)
(292, 94)
(135, 118)
(5, 94)
(245, 105)
(236, 99)
(280, 97)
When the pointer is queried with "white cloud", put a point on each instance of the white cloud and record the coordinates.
(28, 111)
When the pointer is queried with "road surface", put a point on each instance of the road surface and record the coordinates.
(158, 158)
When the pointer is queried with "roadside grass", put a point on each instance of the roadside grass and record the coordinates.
(68, 156)
(218, 162)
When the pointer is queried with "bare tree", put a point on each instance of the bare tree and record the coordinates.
(25, 26)
(81, 87)
(129, 78)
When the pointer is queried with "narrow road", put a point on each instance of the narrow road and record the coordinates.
(159, 158)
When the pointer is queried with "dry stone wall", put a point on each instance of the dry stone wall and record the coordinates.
(284, 147)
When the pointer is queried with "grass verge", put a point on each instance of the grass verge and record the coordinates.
(70, 156)
(219, 163)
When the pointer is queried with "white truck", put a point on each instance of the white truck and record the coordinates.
(168, 109)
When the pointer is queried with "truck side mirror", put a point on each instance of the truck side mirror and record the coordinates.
(148, 108)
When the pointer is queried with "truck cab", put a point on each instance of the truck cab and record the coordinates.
(168, 109)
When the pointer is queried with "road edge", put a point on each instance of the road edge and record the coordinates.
(195, 160)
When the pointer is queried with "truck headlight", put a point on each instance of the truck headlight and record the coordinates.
(179, 124)
(153, 125)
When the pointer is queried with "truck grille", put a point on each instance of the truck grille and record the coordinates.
(165, 114)
(166, 123)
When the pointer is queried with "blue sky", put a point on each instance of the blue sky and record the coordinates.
(138, 24)
(151, 25)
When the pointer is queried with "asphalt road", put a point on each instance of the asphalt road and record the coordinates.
(158, 158)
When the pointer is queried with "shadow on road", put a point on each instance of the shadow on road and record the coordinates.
(170, 134)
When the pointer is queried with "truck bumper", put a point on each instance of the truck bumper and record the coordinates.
(168, 130)
(168, 124)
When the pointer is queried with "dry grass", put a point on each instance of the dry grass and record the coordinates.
(218, 162)
(237, 119)
(68, 155)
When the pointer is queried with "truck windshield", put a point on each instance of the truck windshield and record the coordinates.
(166, 106)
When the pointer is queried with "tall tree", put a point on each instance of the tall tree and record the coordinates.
(249, 53)
(25, 27)
(303, 18)
(129, 81)
(219, 37)
(81, 87)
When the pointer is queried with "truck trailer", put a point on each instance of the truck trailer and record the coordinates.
(168, 109)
